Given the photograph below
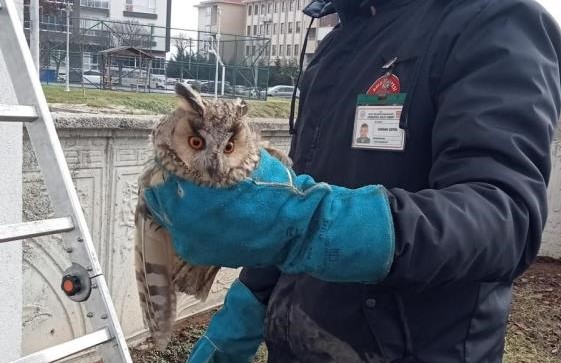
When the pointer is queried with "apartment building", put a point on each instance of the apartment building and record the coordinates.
(104, 24)
(285, 24)
(230, 22)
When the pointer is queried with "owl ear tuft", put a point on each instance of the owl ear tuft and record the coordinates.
(190, 100)
(241, 106)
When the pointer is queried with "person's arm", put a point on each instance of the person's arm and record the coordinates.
(498, 101)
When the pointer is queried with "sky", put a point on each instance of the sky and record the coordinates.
(183, 14)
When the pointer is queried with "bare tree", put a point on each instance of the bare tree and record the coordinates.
(131, 34)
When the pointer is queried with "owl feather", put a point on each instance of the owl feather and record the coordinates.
(208, 142)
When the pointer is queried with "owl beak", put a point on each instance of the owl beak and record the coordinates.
(214, 167)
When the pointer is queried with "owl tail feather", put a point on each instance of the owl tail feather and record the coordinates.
(194, 280)
(154, 258)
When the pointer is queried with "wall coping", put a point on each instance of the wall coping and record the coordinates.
(71, 120)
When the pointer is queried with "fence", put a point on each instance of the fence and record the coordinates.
(175, 55)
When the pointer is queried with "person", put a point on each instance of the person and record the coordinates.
(363, 138)
(411, 259)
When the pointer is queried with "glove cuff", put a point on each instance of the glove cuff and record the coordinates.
(235, 331)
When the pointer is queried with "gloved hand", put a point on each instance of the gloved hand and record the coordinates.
(275, 218)
(235, 331)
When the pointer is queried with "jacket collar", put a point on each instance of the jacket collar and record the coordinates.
(348, 9)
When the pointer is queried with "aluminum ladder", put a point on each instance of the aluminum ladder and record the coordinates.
(83, 281)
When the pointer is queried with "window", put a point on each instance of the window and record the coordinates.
(269, 7)
(208, 11)
(276, 7)
(290, 28)
(282, 28)
(297, 27)
(255, 30)
(263, 9)
(248, 32)
(268, 28)
(261, 29)
(249, 10)
(281, 50)
(141, 6)
(296, 49)
(247, 50)
(299, 5)
(291, 5)
(312, 35)
(275, 28)
(253, 50)
(283, 8)
(274, 51)
(99, 4)
(256, 9)
(288, 50)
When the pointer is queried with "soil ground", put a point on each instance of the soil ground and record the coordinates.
(534, 330)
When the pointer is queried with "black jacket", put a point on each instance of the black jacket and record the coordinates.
(468, 193)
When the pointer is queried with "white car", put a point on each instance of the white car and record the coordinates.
(92, 77)
(282, 91)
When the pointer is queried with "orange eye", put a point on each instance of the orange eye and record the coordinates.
(196, 142)
(229, 147)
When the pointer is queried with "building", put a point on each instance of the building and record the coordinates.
(272, 29)
(285, 24)
(102, 24)
(230, 22)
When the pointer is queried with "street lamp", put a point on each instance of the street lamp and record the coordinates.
(68, 8)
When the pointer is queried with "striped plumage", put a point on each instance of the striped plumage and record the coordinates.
(207, 142)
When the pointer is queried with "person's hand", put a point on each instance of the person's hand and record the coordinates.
(275, 218)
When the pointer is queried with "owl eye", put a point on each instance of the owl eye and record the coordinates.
(229, 148)
(196, 142)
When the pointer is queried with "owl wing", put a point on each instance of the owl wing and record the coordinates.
(159, 271)
(154, 264)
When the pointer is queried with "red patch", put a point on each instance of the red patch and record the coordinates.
(385, 85)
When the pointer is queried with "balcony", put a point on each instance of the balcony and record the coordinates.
(139, 11)
(96, 4)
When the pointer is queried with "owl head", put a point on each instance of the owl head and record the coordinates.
(208, 141)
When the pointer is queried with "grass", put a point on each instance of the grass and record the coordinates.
(152, 103)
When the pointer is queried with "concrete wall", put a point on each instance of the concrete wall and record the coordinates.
(551, 245)
(105, 155)
(10, 212)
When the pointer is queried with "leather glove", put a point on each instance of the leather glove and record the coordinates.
(235, 331)
(275, 218)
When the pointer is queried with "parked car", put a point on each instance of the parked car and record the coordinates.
(158, 82)
(208, 87)
(92, 77)
(282, 91)
(196, 84)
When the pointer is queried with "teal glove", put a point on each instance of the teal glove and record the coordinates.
(235, 331)
(275, 218)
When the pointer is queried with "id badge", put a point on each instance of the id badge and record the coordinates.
(377, 122)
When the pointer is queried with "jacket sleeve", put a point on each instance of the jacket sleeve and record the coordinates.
(498, 101)
(260, 281)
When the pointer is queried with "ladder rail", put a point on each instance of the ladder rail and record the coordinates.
(18, 231)
(62, 193)
(67, 349)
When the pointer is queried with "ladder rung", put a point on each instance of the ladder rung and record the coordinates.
(14, 232)
(18, 113)
(67, 349)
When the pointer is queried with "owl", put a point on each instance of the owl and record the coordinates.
(209, 143)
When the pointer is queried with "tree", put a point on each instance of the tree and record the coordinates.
(281, 73)
(131, 34)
